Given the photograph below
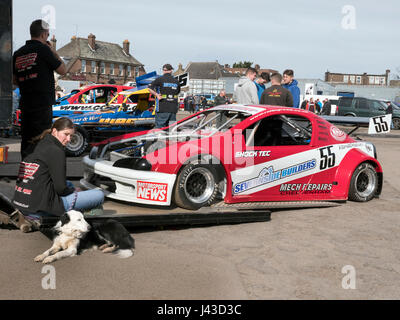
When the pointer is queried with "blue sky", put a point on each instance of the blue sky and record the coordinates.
(309, 36)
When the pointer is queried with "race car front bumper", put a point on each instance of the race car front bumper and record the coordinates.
(130, 185)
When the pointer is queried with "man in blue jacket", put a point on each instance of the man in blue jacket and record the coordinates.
(291, 84)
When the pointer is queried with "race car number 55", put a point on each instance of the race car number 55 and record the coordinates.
(380, 124)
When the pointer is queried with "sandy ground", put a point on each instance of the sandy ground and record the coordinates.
(299, 254)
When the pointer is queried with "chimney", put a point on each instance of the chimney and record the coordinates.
(125, 47)
(92, 41)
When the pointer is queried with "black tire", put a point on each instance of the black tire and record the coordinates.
(396, 123)
(196, 186)
(364, 183)
(79, 142)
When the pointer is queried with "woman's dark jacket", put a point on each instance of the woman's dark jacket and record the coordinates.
(42, 179)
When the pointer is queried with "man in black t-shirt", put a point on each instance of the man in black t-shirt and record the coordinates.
(166, 88)
(33, 72)
(276, 95)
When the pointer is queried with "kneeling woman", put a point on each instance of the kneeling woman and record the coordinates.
(42, 187)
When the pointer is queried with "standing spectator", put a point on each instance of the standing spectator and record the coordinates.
(276, 95)
(318, 106)
(190, 103)
(326, 108)
(197, 103)
(221, 98)
(304, 104)
(262, 79)
(291, 84)
(185, 103)
(246, 90)
(203, 103)
(166, 89)
(311, 105)
(33, 72)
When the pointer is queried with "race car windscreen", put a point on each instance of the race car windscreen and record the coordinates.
(210, 122)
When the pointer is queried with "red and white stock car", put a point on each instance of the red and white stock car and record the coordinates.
(239, 154)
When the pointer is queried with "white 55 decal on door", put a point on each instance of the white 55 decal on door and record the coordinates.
(283, 170)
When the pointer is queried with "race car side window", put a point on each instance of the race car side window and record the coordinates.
(280, 130)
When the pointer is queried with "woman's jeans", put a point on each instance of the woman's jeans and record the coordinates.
(83, 200)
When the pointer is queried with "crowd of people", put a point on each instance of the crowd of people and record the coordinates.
(283, 89)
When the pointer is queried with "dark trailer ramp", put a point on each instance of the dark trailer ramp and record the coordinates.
(145, 216)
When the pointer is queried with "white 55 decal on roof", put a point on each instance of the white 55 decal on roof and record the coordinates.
(269, 174)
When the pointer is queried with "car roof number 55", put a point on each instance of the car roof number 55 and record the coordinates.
(380, 124)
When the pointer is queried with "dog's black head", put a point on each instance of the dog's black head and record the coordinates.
(65, 219)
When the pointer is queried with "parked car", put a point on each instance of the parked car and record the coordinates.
(364, 107)
(134, 113)
(237, 154)
(88, 99)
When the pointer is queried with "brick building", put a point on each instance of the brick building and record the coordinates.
(91, 61)
(358, 79)
(242, 71)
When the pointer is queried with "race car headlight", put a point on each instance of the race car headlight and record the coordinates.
(133, 163)
(142, 164)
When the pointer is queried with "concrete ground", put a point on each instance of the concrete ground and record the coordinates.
(299, 254)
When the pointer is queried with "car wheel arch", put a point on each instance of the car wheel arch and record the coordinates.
(347, 168)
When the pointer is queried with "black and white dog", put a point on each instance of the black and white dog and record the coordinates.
(73, 234)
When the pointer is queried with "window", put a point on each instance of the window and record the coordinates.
(83, 67)
(94, 67)
(371, 80)
(345, 79)
(362, 104)
(382, 80)
(352, 79)
(129, 71)
(345, 102)
(376, 80)
(377, 105)
(102, 68)
(112, 68)
(121, 70)
(358, 80)
(280, 130)
(136, 71)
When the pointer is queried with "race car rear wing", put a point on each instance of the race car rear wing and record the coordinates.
(376, 125)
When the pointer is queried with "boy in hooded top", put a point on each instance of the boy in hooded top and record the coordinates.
(291, 84)
(246, 91)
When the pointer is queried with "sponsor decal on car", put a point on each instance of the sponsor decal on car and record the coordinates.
(253, 153)
(152, 191)
(337, 134)
(268, 175)
(305, 188)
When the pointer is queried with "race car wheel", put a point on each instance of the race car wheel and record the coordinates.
(364, 183)
(79, 142)
(196, 186)
(396, 123)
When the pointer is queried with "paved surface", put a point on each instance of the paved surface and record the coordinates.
(299, 254)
